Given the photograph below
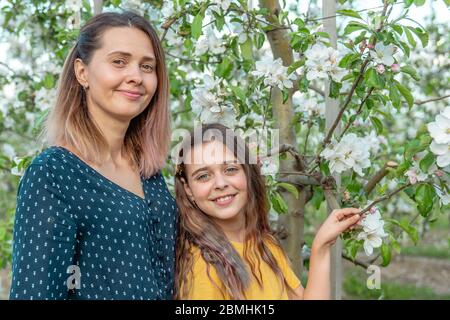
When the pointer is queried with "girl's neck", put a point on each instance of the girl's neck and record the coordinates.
(234, 228)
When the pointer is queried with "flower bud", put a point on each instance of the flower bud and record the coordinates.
(380, 68)
(395, 68)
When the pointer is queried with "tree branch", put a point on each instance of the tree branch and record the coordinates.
(358, 112)
(378, 176)
(388, 196)
(357, 262)
(432, 99)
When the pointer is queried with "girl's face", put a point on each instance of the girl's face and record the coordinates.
(121, 75)
(216, 183)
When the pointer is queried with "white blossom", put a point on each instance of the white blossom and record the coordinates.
(321, 62)
(351, 152)
(415, 175)
(383, 54)
(274, 73)
(440, 132)
(209, 42)
(9, 151)
(373, 231)
(440, 128)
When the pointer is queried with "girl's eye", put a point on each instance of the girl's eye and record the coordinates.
(232, 169)
(147, 67)
(202, 177)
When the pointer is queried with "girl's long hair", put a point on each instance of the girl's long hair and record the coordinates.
(197, 229)
(147, 139)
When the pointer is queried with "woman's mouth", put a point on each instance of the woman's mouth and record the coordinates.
(225, 200)
(132, 95)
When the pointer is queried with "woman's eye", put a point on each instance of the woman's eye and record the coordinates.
(147, 67)
(119, 62)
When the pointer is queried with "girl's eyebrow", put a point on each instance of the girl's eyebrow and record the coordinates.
(206, 168)
(127, 54)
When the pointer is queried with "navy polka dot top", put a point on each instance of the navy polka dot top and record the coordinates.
(78, 235)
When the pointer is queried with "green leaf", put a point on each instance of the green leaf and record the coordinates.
(397, 29)
(409, 229)
(427, 161)
(425, 198)
(406, 94)
(335, 88)
(259, 40)
(354, 26)
(373, 79)
(348, 59)
(419, 3)
(285, 93)
(385, 254)
(239, 92)
(377, 124)
(410, 71)
(289, 187)
(247, 49)
(297, 64)
(394, 95)
(49, 81)
(405, 48)
(196, 28)
(349, 13)
(410, 38)
(278, 203)
(323, 34)
(421, 34)
(224, 68)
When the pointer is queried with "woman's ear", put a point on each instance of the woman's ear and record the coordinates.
(81, 73)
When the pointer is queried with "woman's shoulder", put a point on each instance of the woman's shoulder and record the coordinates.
(50, 157)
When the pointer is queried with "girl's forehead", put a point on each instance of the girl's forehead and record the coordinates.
(209, 153)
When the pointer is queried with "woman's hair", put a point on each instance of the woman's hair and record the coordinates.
(147, 139)
(197, 229)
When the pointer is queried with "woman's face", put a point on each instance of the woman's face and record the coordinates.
(216, 181)
(121, 75)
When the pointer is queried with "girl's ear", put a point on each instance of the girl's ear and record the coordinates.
(187, 189)
(81, 73)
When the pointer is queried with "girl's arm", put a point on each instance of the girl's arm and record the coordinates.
(318, 287)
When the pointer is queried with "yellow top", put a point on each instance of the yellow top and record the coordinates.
(203, 289)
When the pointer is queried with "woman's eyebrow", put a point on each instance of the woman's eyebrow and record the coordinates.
(127, 54)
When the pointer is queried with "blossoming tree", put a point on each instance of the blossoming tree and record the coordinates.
(267, 66)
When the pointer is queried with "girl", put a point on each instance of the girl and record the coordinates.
(225, 249)
(94, 218)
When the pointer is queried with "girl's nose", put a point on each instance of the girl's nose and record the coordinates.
(220, 181)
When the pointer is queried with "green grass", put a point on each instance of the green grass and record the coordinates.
(429, 251)
(355, 288)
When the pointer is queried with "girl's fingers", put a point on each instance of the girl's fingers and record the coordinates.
(350, 222)
(342, 213)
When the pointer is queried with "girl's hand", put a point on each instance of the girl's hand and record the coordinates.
(337, 222)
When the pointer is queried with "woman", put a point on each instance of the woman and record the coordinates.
(94, 218)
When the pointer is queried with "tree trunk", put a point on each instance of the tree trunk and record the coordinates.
(332, 110)
(98, 6)
(290, 226)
